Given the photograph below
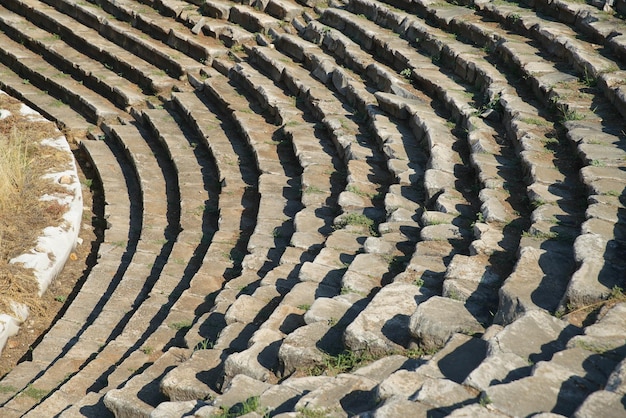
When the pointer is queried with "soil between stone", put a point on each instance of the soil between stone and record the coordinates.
(61, 290)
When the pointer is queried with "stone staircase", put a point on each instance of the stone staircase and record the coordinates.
(335, 208)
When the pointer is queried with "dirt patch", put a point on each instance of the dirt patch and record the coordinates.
(23, 215)
(57, 297)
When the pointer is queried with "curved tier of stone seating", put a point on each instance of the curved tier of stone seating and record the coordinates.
(112, 300)
(91, 43)
(574, 101)
(476, 285)
(353, 182)
(175, 64)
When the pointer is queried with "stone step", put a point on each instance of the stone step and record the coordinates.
(567, 376)
(382, 327)
(112, 177)
(66, 118)
(535, 336)
(431, 384)
(360, 189)
(562, 41)
(59, 358)
(195, 171)
(209, 127)
(323, 69)
(160, 25)
(278, 186)
(245, 16)
(316, 157)
(168, 59)
(324, 105)
(71, 61)
(595, 20)
(539, 279)
(90, 42)
(37, 71)
(545, 228)
(165, 277)
(591, 128)
(284, 9)
(131, 399)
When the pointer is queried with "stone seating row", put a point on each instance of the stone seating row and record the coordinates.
(174, 63)
(35, 70)
(482, 167)
(233, 314)
(92, 44)
(533, 58)
(227, 364)
(67, 119)
(58, 359)
(172, 282)
(70, 62)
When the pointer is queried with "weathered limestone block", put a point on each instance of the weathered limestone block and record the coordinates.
(175, 409)
(381, 369)
(333, 309)
(470, 279)
(479, 411)
(183, 383)
(283, 397)
(244, 309)
(300, 351)
(605, 335)
(240, 388)
(601, 267)
(533, 337)
(437, 319)
(617, 380)
(398, 407)
(346, 395)
(402, 384)
(446, 395)
(602, 403)
(550, 388)
(259, 360)
(538, 281)
(456, 360)
(383, 326)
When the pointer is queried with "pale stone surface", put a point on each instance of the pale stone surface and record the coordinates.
(438, 318)
(182, 383)
(239, 389)
(456, 359)
(346, 395)
(299, 349)
(383, 326)
(259, 360)
(402, 383)
(382, 368)
(606, 334)
(244, 309)
(538, 282)
(326, 309)
(617, 380)
(601, 268)
(446, 395)
(174, 409)
(602, 404)
(497, 369)
(550, 388)
(478, 411)
(401, 408)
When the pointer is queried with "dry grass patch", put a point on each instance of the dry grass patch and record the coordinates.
(23, 162)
